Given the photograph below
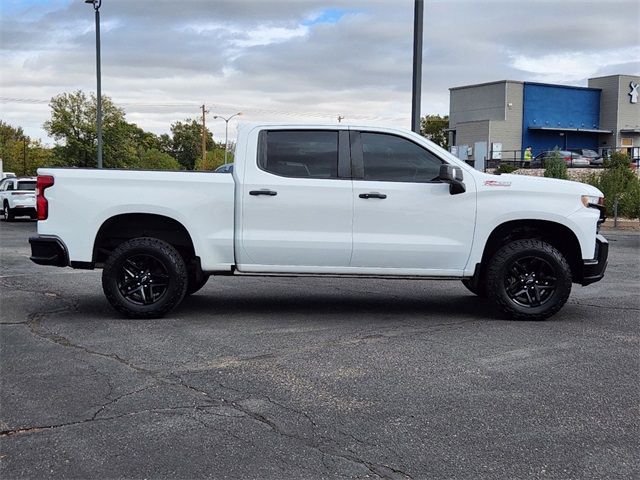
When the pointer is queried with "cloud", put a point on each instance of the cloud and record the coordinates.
(302, 60)
(573, 66)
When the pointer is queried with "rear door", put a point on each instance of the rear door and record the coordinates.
(297, 202)
(405, 219)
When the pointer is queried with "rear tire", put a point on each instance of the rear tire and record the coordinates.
(8, 214)
(528, 280)
(144, 278)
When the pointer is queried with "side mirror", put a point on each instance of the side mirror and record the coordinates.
(453, 176)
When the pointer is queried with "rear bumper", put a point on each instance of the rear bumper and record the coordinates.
(593, 270)
(48, 251)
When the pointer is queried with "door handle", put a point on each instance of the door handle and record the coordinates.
(267, 192)
(381, 196)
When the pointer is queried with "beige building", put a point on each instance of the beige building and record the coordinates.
(498, 120)
(619, 111)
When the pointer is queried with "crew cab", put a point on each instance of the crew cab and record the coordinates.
(17, 197)
(324, 200)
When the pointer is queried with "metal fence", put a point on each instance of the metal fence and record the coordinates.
(573, 159)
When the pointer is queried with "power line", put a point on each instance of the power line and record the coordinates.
(219, 106)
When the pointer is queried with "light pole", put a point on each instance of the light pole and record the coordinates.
(96, 6)
(417, 65)
(226, 132)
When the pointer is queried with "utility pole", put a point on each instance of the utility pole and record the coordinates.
(24, 156)
(418, 15)
(340, 118)
(204, 136)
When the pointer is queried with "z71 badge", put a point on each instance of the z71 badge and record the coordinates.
(496, 183)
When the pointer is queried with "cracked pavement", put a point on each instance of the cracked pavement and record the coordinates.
(315, 378)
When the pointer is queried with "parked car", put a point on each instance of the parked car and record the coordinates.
(17, 197)
(573, 160)
(324, 200)
(228, 168)
(595, 159)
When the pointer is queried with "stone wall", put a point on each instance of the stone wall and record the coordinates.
(576, 174)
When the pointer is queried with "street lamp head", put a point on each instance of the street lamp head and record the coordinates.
(96, 3)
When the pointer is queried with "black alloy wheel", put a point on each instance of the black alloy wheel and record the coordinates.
(530, 281)
(143, 279)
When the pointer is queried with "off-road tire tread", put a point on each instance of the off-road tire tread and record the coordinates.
(174, 257)
(494, 281)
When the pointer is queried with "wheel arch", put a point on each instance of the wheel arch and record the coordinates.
(122, 227)
(556, 234)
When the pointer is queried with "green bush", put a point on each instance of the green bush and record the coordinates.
(618, 182)
(617, 160)
(556, 166)
(506, 168)
(154, 159)
(629, 204)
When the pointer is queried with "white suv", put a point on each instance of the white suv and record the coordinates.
(17, 197)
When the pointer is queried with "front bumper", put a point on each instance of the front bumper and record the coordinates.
(48, 251)
(593, 270)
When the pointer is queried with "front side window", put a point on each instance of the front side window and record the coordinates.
(301, 154)
(389, 158)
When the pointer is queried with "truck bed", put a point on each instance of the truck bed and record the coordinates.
(81, 200)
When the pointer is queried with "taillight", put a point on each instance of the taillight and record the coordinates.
(44, 182)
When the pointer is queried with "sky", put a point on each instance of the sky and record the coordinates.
(297, 60)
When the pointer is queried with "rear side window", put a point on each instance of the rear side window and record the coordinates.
(389, 158)
(26, 185)
(300, 153)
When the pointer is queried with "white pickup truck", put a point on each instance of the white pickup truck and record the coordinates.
(324, 200)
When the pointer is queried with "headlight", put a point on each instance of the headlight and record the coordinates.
(592, 201)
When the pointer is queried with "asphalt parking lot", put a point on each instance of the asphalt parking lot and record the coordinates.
(315, 378)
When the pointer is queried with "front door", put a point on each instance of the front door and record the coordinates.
(405, 219)
(297, 203)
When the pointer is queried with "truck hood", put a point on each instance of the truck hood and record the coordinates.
(538, 184)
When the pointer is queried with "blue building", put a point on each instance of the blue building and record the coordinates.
(501, 119)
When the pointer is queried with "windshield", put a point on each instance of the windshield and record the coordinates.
(27, 185)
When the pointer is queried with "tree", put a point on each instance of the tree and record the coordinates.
(12, 141)
(125, 145)
(434, 127)
(19, 153)
(73, 124)
(215, 158)
(187, 142)
(154, 159)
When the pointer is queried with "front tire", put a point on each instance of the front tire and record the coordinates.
(528, 280)
(144, 278)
